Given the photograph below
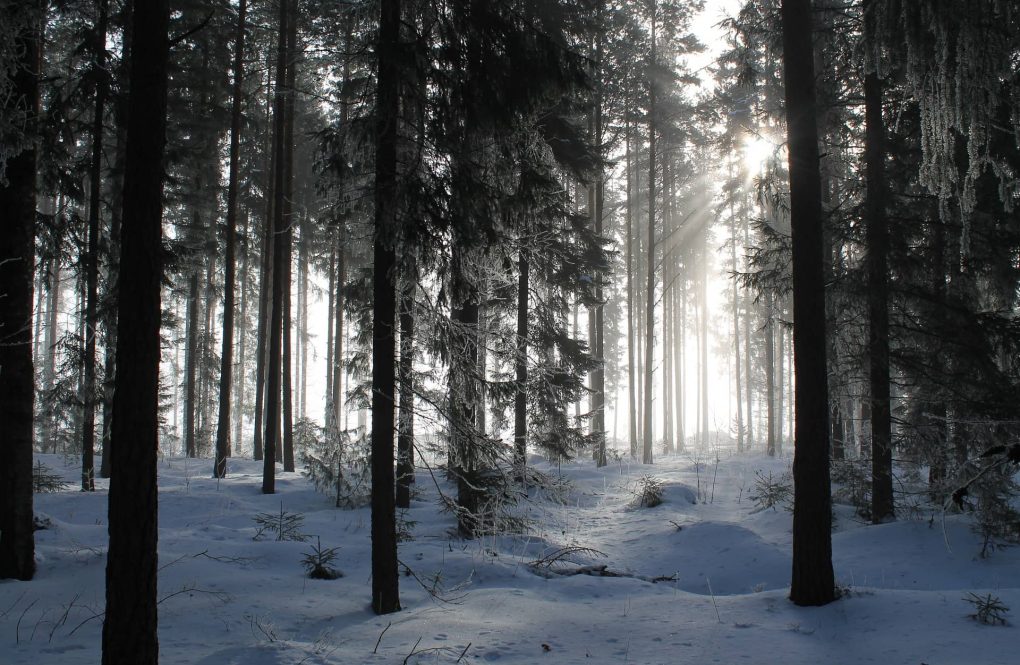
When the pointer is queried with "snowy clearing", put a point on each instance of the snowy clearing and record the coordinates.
(722, 568)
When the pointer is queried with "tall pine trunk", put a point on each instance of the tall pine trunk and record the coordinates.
(812, 579)
(287, 238)
(88, 439)
(631, 313)
(521, 366)
(277, 231)
(646, 456)
(227, 355)
(405, 422)
(385, 580)
(129, 626)
(17, 267)
(877, 237)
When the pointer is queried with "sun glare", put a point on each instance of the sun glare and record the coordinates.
(757, 150)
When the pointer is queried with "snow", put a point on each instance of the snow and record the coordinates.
(229, 599)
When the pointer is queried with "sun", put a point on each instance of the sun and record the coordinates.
(756, 150)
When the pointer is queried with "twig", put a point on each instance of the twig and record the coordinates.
(379, 641)
(63, 618)
(709, 581)
(94, 616)
(17, 627)
(412, 651)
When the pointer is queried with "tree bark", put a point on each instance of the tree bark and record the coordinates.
(877, 238)
(190, 362)
(273, 378)
(287, 238)
(129, 627)
(646, 456)
(521, 366)
(227, 355)
(405, 423)
(385, 580)
(631, 313)
(88, 439)
(17, 268)
(812, 579)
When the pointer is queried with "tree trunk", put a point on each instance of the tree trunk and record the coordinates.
(272, 432)
(116, 194)
(190, 361)
(385, 580)
(812, 579)
(330, 313)
(405, 423)
(129, 626)
(646, 456)
(877, 238)
(770, 379)
(88, 439)
(288, 241)
(17, 268)
(240, 375)
(736, 328)
(521, 366)
(227, 355)
(631, 375)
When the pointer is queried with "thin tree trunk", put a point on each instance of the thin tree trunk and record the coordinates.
(49, 441)
(330, 313)
(273, 378)
(521, 366)
(227, 355)
(770, 380)
(405, 422)
(812, 579)
(130, 625)
(736, 329)
(385, 579)
(266, 281)
(631, 375)
(288, 242)
(88, 439)
(116, 194)
(877, 237)
(646, 456)
(190, 361)
(234, 447)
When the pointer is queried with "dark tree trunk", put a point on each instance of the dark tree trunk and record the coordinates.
(17, 268)
(736, 328)
(521, 367)
(646, 456)
(277, 231)
(287, 238)
(599, 375)
(88, 439)
(241, 361)
(227, 355)
(190, 363)
(631, 309)
(812, 582)
(330, 314)
(120, 107)
(385, 580)
(878, 289)
(129, 627)
(405, 422)
(770, 379)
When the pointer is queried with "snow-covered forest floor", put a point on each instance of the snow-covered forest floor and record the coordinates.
(722, 566)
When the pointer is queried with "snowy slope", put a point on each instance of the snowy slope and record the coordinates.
(228, 599)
